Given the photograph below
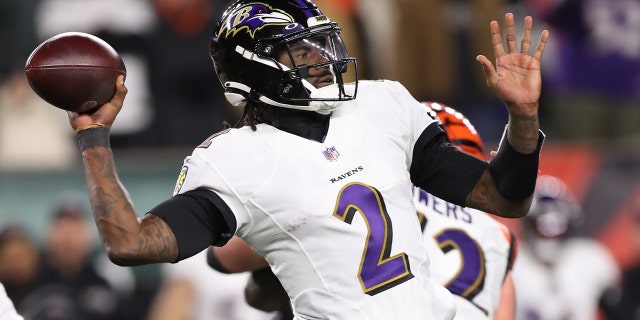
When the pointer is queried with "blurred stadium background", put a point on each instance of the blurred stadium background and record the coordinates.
(590, 107)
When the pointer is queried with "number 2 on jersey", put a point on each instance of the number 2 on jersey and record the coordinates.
(469, 281)
(378, 271)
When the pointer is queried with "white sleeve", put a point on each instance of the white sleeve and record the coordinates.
(7, 309)
(418, 116)
(198, 172)
(390, 108)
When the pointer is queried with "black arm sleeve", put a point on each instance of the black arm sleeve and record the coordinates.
(198, 219)
(442, 169)
(515, 173)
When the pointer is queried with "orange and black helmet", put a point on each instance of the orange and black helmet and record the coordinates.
(459, 129)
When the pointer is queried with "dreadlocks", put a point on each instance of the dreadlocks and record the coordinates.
(307, 124)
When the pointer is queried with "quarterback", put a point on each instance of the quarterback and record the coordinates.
(470, 252)
(316, 177)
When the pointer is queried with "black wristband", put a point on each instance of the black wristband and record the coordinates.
(93, 138)
(515, 173)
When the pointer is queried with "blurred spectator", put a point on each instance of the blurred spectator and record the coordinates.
(33, 134)
(557, 275)
(593, 71)
(192, 290)
(19, 262)
(68, 286)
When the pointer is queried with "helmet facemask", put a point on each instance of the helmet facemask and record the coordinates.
(254, 49)
(314, 63)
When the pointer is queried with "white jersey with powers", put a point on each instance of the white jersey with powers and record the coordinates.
(470, 253)
(335, 220)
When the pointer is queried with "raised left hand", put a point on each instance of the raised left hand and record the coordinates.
(516, 77)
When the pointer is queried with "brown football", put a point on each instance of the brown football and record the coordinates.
(74, 71)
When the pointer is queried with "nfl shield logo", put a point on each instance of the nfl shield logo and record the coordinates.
(331, 154)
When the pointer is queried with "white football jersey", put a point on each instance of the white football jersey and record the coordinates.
(569, 289)
(470, 253)
(334, 219)
(7, 309)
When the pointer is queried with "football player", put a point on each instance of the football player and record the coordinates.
(317, 175)
(470, 252)
(558, 275)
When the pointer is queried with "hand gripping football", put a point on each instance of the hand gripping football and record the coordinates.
(74, 71)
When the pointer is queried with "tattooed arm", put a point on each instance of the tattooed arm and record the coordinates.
(126, 239)
(516, 80)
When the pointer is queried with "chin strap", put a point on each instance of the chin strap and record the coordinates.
(323, 107)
